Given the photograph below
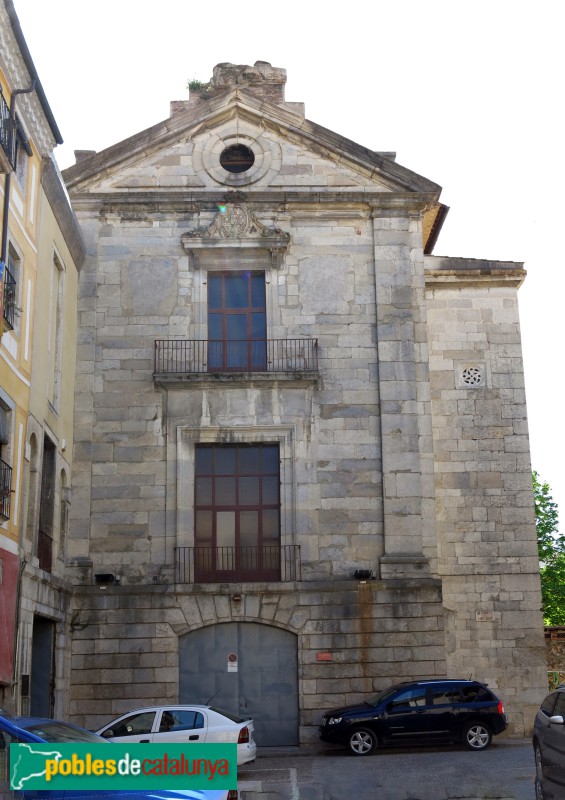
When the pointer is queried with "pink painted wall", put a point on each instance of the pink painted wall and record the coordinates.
(8, 590)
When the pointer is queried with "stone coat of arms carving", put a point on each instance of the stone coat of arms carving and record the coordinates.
(235, 225)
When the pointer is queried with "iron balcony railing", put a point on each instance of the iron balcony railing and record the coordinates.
(7, 139)
(9, 304)
(5, 490)
(194, 356)
(274, 563)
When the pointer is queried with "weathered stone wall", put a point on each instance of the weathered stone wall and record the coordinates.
(487, 551)
(138, 286)
(390, 632)
(135, 439)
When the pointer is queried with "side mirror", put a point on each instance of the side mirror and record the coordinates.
(107, 734)
(557, 720)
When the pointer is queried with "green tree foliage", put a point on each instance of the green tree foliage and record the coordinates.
(551, 548)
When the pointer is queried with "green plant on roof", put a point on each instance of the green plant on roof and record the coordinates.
(196, 86)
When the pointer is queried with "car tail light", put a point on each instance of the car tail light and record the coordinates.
(500, 707)
(243, 735)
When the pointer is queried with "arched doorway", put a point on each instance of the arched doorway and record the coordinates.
(248, 669)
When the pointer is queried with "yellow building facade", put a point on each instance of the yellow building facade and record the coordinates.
(41, 252)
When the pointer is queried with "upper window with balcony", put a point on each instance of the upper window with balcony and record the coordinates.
(5, 468)
(237, 324)
(7, 155)
(10, 308)
(233, 328)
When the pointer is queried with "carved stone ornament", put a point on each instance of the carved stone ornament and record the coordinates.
(235, 227)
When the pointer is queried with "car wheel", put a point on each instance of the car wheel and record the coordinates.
(477, 736)
(539, 791)
(362, 741)
(539, 761)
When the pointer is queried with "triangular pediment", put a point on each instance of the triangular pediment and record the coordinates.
(291, 154)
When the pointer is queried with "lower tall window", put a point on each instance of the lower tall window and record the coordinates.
(47, 506)
(237, 512)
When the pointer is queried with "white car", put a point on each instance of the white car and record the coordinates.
(184, 724)
(14, 730)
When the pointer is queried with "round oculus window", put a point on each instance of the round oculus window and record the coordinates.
(237, 158)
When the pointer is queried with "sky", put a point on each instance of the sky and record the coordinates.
(468, 94)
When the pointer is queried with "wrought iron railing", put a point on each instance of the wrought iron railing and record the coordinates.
(5, 490)
(272, 563)
(7, 139)
(193, 356)
(9, 305)
(45, 550)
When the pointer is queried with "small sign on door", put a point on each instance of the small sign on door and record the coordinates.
(232, 662)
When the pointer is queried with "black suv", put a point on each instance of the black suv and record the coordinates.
(549, 746)
(422, 712)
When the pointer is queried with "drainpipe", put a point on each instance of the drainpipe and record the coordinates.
(7, 184)
(16, 650)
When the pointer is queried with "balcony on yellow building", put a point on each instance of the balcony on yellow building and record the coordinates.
(7, 150)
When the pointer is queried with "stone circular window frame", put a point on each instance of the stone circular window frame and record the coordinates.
(236, 168)
(264, 152)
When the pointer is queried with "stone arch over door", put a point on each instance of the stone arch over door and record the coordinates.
(261, 682)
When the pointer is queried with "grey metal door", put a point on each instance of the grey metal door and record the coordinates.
(248, 669)
(42, 700)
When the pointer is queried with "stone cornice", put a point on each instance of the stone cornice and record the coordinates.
(457, 271)
(66, 219)
(379, 203)
(474, 277)
(172, 382)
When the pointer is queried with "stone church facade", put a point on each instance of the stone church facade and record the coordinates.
(301, 466)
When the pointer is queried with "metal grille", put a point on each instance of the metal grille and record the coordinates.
(193, 356)
(272, 563)
(5, 489)
(9, 307)
(7, 138)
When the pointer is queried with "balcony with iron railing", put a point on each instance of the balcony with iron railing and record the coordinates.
(7, 139)
(9, 307)
(266, 563)
(185, 357)
(5, 490)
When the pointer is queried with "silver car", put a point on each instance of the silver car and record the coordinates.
(549, 747)
(191, 723)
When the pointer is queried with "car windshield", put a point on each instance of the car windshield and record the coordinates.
(382, 696)
(53, 731)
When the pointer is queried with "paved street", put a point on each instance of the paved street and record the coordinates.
(504, 772)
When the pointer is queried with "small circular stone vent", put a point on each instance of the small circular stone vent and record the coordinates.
(472, 376)
(237, 158)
